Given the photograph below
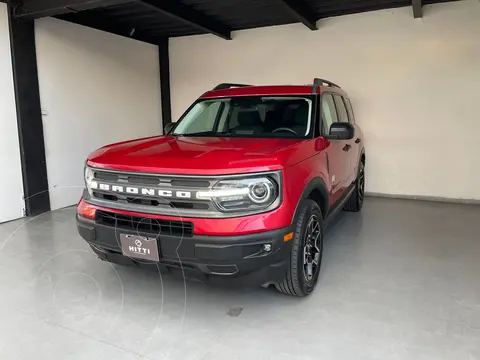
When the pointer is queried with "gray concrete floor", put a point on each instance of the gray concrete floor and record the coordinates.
(401, 280)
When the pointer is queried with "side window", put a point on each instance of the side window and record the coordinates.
(342, 111)
(351, 116)
(205, 120)
(329, 114)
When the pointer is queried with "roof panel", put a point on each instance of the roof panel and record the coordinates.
(141, 18)
(244, 14)
(328, 8)
(261, 90)
(234, 14)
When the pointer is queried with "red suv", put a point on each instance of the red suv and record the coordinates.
(238, 191)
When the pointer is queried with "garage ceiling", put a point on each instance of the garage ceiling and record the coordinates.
(154, 20)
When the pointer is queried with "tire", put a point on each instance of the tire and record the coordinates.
(297, 281)
(355, 202)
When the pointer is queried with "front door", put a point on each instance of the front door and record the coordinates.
(350, 146)
(337, 151)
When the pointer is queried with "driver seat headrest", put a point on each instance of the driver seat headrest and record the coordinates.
(249, 118)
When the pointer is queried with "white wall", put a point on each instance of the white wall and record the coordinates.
(414, 85)
(11, 186)
(95, 88)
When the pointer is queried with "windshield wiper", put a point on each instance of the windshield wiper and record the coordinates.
(197, 134)
(205, 134)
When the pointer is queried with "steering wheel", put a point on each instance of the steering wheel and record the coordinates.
(284, 129)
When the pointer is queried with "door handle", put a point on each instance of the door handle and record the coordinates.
(357, 141)
(347, 147)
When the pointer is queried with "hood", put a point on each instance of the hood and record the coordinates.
(199, 155)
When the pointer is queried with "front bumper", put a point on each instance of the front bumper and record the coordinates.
(225, 260)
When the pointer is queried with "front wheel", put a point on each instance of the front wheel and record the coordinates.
(307, 249)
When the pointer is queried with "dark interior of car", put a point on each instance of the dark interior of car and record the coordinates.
(279, 118)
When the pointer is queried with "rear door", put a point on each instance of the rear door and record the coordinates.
(338, 158)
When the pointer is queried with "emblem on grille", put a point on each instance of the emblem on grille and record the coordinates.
(134, 190)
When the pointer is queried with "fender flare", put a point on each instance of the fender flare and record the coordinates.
(315, 184)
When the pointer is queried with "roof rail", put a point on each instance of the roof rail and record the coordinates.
(228, 86)
(319, 82)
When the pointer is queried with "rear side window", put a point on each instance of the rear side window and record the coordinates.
(350, 110)
(341, 109)
(329, 113)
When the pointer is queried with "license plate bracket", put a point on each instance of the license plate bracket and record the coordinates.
(140, 247)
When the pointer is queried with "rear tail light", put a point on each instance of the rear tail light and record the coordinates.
(86, 210)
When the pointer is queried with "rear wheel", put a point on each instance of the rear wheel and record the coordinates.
(307, 249)
(355, 202)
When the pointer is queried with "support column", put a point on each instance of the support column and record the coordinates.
(164, 60)
(29, 115)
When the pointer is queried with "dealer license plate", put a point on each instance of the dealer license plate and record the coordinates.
(139, 247)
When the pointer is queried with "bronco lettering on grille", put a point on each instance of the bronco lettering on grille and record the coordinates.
(133, 190)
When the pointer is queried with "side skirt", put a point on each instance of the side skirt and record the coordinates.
(335, 209)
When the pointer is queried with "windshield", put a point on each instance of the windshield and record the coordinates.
(255, 116)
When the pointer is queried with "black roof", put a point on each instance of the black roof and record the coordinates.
(153, 20)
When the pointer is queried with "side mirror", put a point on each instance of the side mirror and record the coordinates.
(168, 127)
(341, 131)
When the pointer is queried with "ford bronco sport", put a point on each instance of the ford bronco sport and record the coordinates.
(238, 191)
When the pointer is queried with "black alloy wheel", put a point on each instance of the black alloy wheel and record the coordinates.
(305, 260)
(355, 202)
(361, 183)
(311, 250)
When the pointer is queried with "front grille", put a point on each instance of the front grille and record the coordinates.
(151, 179)
(178, 196)
(145, 224)
(154, 193)
(144, 200)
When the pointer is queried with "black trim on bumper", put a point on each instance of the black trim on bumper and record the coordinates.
(225, 260)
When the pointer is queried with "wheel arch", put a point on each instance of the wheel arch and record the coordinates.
(316, 190)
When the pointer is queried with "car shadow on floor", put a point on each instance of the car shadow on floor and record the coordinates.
(175, 283)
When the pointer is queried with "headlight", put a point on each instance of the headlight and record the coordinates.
(243, 194)
(89, 175)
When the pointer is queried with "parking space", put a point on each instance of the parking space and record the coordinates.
(267, 152)
(399, 281)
